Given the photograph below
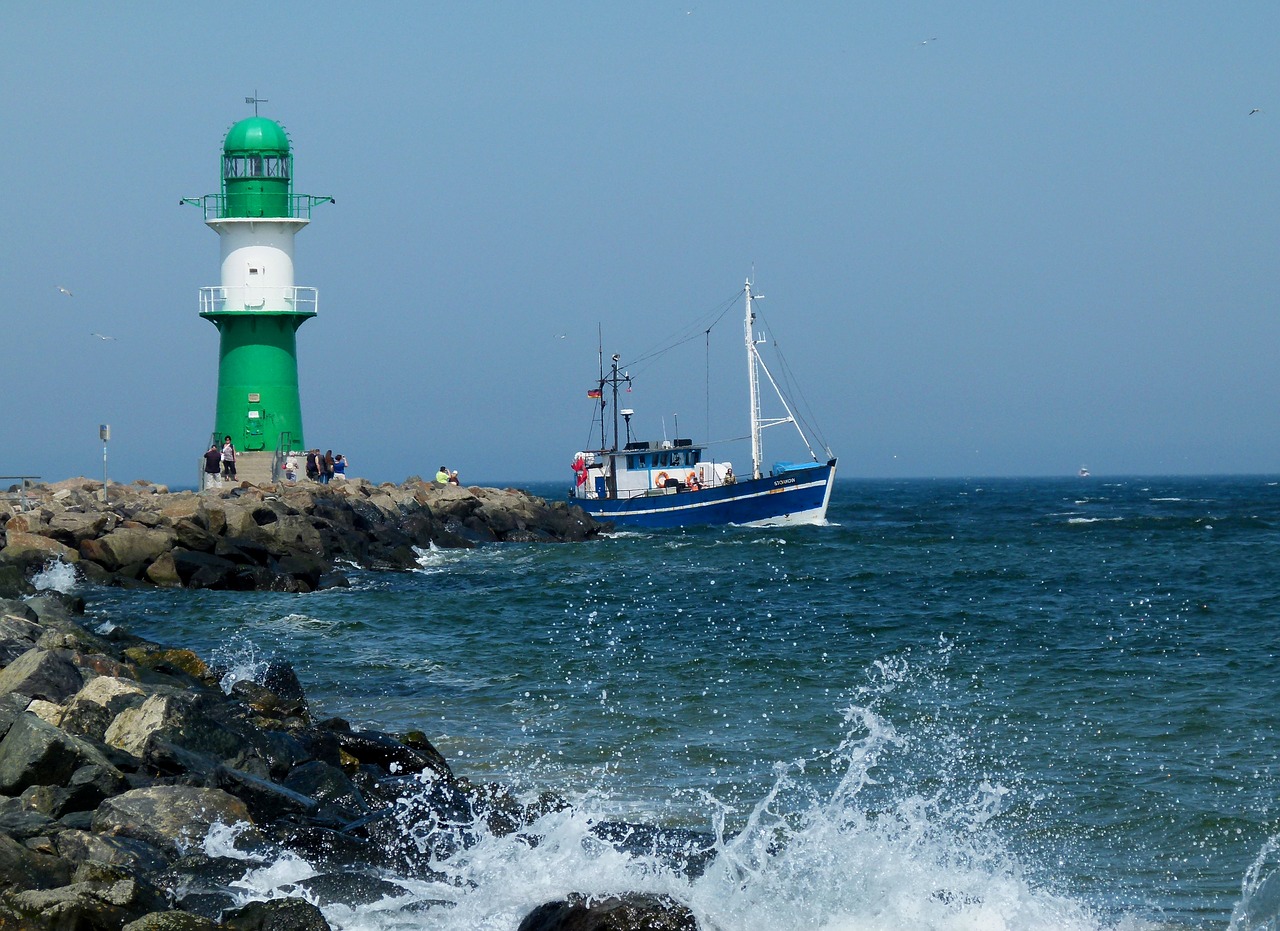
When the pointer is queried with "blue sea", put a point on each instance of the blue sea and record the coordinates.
(979, 704)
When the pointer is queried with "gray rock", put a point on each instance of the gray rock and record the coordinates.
(171, 818)
(21, 868)
(629, 912)
(128, 546)
(102, 897)
(31, 550)
(171, 921)
(276, 915)
(92, 709)
(17, 635)
(35, 753)
(266, 800)
(47, 674)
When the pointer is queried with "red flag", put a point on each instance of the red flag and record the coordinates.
(593, 393)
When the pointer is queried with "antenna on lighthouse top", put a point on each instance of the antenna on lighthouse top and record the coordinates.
(255, 100)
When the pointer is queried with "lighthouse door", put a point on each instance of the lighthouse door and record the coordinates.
(254, 437)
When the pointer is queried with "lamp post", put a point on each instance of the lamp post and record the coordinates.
(104, 434)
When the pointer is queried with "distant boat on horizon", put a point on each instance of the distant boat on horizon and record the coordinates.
(1084, 472)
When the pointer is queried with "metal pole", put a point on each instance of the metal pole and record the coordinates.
(104, 433)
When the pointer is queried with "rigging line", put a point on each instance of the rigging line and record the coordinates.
(689, 331)
(806, 416)
(656, 354)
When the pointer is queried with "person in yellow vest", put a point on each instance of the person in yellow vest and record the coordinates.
(442, 477)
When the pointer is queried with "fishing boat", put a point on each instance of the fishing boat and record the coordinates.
(675, 483)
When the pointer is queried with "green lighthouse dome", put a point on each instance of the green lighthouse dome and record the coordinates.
(257, 170)
(256, 134)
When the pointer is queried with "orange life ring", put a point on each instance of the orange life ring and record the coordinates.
(661, 480)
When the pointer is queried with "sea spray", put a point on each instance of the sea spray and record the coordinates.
(56, 576)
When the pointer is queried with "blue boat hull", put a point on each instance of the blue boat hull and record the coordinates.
(798, 495)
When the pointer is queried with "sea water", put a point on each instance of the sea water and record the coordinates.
(1004, 704)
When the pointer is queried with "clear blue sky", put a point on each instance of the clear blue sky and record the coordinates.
(1044, 237)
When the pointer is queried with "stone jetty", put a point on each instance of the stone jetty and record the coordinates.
(120, 760)
(279, 537)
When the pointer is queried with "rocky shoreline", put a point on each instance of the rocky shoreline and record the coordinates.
(120, 757)
(281, 537)
(122, 761)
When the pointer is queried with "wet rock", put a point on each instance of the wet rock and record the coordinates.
(339, 799)
(390, 755)
(101, 897)
(276, 915)
(171, 921)
(32, 550)
(170, 818)
(264, 798)
(92, 709)
(631, 912)
(349, 888)
(21, 868)
(47, 674)
(37, 753)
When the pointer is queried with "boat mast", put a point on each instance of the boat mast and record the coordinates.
(753, 382)
(614, 381)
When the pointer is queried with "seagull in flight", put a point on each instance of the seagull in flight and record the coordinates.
(100, 336)
(927, 41)
(65, 291)
(1255, 110)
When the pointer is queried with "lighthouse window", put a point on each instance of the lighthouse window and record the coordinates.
(253, 271)
(255, 166)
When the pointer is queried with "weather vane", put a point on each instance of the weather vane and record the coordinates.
(255, 100)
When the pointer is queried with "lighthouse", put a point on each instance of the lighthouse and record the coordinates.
(257, 308)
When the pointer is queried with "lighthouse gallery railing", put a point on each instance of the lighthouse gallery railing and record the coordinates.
(254, 299)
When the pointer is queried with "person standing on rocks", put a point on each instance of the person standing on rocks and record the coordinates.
(291, 468)
(326, 467)
(313, 466)
(212, 467)
(228, 459)
(339, 466)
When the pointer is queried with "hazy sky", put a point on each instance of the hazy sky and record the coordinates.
(995, 238)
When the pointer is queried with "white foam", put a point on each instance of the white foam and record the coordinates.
(56, 576)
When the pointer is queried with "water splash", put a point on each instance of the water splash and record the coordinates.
(56, 576)
(872, 852)
(1259, 905)
(241, 659)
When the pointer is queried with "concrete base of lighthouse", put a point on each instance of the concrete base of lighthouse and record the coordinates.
(255, 467)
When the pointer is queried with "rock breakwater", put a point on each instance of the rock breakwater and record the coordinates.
(121, 759)
(282, 537)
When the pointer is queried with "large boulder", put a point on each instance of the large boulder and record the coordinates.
(21, 868)
(128, 546)
(48, 674)
(35, 753)
(172, 818)
(100, 898)
(276, 915)
(18, 633)
(31, 549)
(91, 710)
(630, 912)
(74, 527)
